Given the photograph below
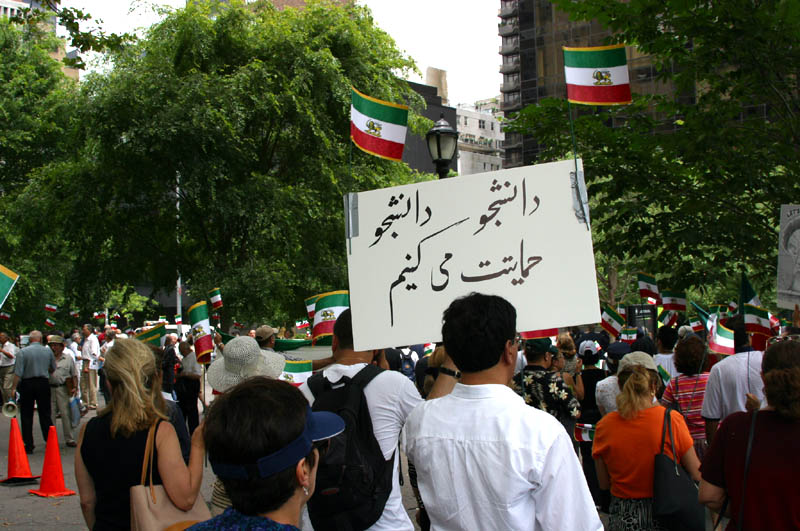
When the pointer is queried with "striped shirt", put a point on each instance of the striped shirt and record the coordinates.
(690, 393)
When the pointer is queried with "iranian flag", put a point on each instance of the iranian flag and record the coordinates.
(201, 332)
(720, 339)
(99, 315)
(296, 372)
(611, 321)
(732, 307)
(152, 335)
(628, 335)
(378, 127)
(756, 320)
(747, 295)
(5, 316)
(178, 319)
(215, 295)
(668, 317)
(75, 314)
(664, 375)
(428, 349)
(584, 432)
(539, 334)
(674, 300)
(622, 311)
(597, 75)
(49, 322)
(327, 310)
(647, 286)
(697, 325)
(301, 324)
(7, 280)
(50, 307)
(310, 303)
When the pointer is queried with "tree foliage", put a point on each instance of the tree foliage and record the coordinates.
(695, 205)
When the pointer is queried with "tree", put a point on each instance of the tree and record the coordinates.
(699, 204)
(242, 119)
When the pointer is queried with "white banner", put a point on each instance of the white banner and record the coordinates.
(514, 233)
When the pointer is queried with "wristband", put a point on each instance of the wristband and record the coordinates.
(450, 372)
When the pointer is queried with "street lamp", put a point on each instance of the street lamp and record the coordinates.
(442, 140)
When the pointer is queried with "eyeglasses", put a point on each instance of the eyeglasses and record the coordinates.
(518, 340)
(777, 339)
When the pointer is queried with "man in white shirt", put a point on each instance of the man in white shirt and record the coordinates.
(8, 353)
(484, 459)
(390, 398)
(665, 343)
(732, 379)
(90, 354)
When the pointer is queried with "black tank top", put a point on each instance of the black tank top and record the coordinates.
(115, 465)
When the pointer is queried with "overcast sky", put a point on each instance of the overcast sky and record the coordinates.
(459, 36)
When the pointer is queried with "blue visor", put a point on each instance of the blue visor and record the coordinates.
(320, 425)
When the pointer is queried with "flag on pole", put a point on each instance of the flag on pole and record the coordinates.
(50, 307)
(747, 295)
(647, 286)
(216, 298)
(237, 324)
(703, 314)
(75, 314)
(310, 303)
(697, 325)
(428, 349)
(611, 321)
(628, 335)
(664, 375)
(674, 300)
(539, 334)
(201, 332)
(623, 312)
(296, 372)
(378, 127)
(756, 320)
(162, 319)
(597, 75)
(99, 315)
(5, 316)
(668, 317)
(178, 319)
(49, 322)
(732, 307)
(113, 324)
(152, 335)
(584, 432)
(327, 310)
(7, 280)
(720, 339)
(302, 324)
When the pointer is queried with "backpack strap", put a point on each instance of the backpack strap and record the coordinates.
(316, 384)
(365, 375)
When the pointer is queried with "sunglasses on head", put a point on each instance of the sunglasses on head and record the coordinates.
(777, 339)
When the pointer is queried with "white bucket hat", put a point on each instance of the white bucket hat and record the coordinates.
(243, 359)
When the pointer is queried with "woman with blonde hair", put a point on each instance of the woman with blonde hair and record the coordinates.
(111, 446)
(627, 440)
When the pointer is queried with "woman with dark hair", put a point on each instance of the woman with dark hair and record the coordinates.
(268, 463)
(685, 392)
(626, 441)
(763, 492)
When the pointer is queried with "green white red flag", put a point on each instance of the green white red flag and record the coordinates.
(302, 324)
(747, 295)
(756, 320)
(201, 332)
(720, 339)
(215, 295)
(296, 372)
(50, 307)
(75, 314)
(99, 315)
(674, 300)
(428, 349)
(611, 321)
(647, 286)
(310, 303)
(668, 317)
(49, 322)
(178, 319)
(5, 316)
(697, 325)
(664, 375)
(152, 335)
(7, 281)
(378, 127)
(623, 312)
(584, 432)
(732, 307)
(597, 75)
(539, 334)
(328, 308)
(628, 335)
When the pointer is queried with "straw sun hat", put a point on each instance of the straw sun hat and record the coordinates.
(243, 359)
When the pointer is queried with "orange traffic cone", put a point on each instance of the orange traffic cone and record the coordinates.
(52, 484)
(19, 471)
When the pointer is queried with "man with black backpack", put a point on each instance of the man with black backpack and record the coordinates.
(357, 485)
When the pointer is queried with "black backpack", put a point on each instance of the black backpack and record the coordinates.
(407, 364)
(353, 479)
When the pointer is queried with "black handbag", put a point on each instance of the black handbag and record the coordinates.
(675, 502)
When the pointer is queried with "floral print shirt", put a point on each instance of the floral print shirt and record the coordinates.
(546, 390)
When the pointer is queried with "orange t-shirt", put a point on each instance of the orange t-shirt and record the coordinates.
(628, 448)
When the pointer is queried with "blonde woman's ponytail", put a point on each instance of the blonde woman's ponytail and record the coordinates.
(636, 384)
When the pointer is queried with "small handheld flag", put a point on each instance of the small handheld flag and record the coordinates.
(611, 321)
(153, 335)
(674, 300)
(75, 314)
(296, 372)
(584, 432)
(5, 316)
(49, 322)
(215, 295)
(378, 127)
(50, 307)
(328, 308)
(647, 286)
(628, 335)
(201, 332)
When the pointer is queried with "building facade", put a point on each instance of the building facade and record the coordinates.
(533, 33)
(480, 137)
(9, 8)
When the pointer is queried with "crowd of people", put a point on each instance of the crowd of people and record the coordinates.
(489, 423)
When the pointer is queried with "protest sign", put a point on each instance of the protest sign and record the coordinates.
(789, 257)
(413, 249)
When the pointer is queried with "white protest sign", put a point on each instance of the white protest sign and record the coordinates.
(413, 249)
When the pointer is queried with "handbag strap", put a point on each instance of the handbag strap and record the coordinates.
(148, 459)
(740, 520)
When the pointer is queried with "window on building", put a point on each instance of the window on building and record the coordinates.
(491, 126)
(465, 120)
(481, 124)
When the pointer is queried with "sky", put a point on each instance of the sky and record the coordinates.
(459, 36)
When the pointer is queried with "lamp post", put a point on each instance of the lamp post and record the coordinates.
(442, 140)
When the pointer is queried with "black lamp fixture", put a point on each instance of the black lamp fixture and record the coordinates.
(442, 141)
